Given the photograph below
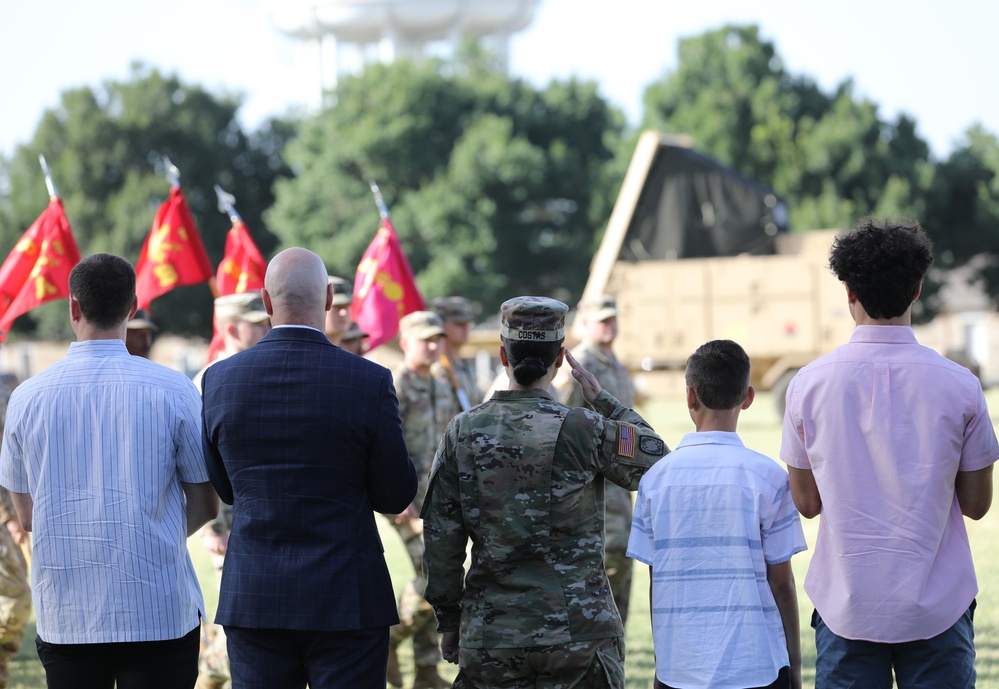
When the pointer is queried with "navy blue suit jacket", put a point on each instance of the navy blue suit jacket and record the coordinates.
(304, 440)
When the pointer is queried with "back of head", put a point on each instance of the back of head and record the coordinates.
(719, 372)
(532, 330)
(296, 283)
(883, 264)
(104, 287)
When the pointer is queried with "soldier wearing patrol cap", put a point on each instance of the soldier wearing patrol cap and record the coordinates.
(456, 312)
(598, 321)
(139, 334)
(353, 340)
(243, 321)
(338, 317)
(425, 406)
(522, 477)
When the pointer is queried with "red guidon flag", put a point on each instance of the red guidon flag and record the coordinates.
(241, 270)
(37, 269)
(384, 288)
(242, 267)
(173, 254)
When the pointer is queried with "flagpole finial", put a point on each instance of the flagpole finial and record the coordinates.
(227, 204)
(379, 201)
(49, 184)
(172, 173)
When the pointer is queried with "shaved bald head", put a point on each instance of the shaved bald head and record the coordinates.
(296, 289)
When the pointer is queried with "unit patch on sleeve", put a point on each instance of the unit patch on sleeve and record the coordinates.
(652, 446)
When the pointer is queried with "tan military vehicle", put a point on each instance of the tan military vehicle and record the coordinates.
(694, 252)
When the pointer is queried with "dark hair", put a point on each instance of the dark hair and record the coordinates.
(104, 285)
(530, 360)
(719, 373)
(883, 263)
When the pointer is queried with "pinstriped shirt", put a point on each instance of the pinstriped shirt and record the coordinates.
(709, 518)
(101, 441)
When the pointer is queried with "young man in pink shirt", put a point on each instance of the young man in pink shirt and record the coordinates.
(892, 444)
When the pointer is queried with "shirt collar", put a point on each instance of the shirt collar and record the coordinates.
(113, 347)
(711, 438)
(884, 334)
(520, 394)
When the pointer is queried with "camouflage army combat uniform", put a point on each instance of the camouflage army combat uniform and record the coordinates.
(459, 373)
(522, 476)
(425, 406)
(15, 593)
(213, 661)
(613, 378)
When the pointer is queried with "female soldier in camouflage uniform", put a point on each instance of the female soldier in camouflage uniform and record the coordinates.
(522, 476)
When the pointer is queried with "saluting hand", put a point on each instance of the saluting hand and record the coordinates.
(587, 381)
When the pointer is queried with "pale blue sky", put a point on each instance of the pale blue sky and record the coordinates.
(934, 60)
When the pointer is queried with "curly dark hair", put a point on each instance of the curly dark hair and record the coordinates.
(883, 263)
(719, 372)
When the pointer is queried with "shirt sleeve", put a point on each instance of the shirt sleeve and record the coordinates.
(979, 449)
(13, 476)
(781, 528)
(444, 537)
(627, 445)
(641, 540)
(792, 445)
(187, 438)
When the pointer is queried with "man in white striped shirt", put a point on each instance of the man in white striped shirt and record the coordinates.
(102, 455)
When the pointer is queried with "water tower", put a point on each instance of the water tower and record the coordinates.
(342, 35)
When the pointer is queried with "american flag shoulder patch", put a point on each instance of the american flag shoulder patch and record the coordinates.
(626, 439)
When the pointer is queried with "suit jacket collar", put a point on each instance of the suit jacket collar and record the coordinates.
(295, 335)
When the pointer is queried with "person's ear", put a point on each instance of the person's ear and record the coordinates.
(691, 398)
(266, 297)
(750, 396)
(502, 355)
(560, 358)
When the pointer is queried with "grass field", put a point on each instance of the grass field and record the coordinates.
(760, 429)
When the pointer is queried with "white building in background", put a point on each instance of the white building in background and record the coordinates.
(341, 36)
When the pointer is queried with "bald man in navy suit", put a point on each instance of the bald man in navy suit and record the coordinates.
(305, 441)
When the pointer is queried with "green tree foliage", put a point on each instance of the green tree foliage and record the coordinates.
(106, 146)
(496, 188)
(962, 213)
(831, 156)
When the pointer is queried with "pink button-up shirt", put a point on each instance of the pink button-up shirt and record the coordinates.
(885, 424)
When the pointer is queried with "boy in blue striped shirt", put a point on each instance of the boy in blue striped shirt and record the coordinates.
(715, 522)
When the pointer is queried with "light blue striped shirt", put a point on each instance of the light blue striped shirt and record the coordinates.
(709, 518)
(101, 441)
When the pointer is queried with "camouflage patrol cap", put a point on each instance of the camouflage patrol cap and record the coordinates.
(343, 291)
(354, 332)
(244, 306)
(140, 321)
(533, 319)
(422, 325)
(453, 309)
(599, 309)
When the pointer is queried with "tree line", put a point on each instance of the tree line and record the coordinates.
(496, 187)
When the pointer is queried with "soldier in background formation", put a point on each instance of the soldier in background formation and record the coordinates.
(338, 317)
(425, 406)
(595, 353)
(139, 334)
(353, 340)
(519, 476)
(15, 593)
(242, 320)
(456, 312)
